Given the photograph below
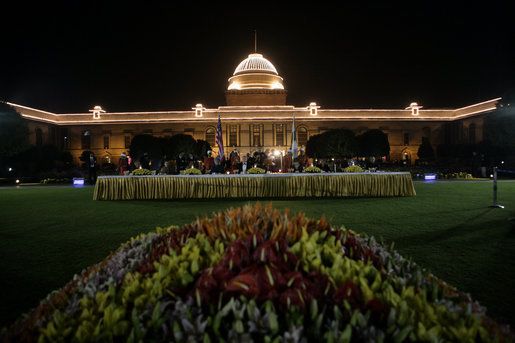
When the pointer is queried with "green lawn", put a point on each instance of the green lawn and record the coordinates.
(47, 234)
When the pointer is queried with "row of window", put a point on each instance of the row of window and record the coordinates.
(86, 141)
(256, 133)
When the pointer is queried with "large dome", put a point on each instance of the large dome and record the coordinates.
(255, 63)
(255, 72)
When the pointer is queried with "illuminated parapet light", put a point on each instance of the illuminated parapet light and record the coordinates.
(97, 111)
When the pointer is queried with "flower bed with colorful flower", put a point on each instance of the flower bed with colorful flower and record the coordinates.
(255, 273)
(353, 169)
(142, 171)
(256, 170)
(312, 170)
(191, 171)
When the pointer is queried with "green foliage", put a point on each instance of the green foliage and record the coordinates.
(459, 176)
(191, 171)
(337, 143)
(14, 132)
(312, 169)
(177, 144)
(425, 150)
(254, 273)
(201, 148)
(142, 171)
(141, 144)
(373, 143)
(49, 181)
(353, 169)
(256, 170)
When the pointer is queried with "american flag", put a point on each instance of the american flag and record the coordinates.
(219, 138)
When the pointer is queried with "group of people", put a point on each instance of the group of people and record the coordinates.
(267, 160)
(233, 164)
(124, 165)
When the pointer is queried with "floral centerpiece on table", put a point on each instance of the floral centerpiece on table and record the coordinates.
(255, 273)
(312, 170)
(142, 171)
(191, 171)
(353, 169)
(256, 170)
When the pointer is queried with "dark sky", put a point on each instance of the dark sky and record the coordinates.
(151, 55)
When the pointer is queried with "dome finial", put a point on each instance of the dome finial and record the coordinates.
(255, 41)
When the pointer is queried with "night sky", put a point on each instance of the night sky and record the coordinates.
(72, 55)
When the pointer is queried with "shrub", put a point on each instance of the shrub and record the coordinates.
(254, 273)
(256, 170)
(353, 169)
(55, 181)
(191, 171)
(457, 176)
(312, 169)
(142, 171)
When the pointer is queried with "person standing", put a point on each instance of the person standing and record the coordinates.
(92, 168)
(123, 164)
(209, 163)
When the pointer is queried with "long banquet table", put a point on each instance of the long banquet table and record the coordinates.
(254, 186)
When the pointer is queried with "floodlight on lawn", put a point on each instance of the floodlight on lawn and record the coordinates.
(429, 177)
(78, 181)
(494, 203)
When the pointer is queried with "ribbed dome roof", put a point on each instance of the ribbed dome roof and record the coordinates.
(255, 62)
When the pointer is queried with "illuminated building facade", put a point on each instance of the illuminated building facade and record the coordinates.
(255, 117)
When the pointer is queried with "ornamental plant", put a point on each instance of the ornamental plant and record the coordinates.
(256, 170)
(142, 171)
(191, 171)
(256, 274)
(312, 169)
(353, 169)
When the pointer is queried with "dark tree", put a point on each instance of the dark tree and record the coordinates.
(201, 148)
(314, 146)
(500, 125)
(338, 143)
(14, 132)
(173, 146)
(141, 144)
(425, 151)
(373, 143)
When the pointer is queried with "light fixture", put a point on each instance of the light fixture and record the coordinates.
(97, 111)
(199, 110)
(429, 177)
(78, 181)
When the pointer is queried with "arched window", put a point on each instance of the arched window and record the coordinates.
(210, 136)
(472, 133)
(39, 137)
(302, 136)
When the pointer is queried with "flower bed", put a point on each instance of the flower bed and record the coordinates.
(256, 170)
(353, 169)
(142, 171)
(191, 171)
(254, 273)
(51, 181)
(312, 169)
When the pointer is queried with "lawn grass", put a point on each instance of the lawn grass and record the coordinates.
(47, 234)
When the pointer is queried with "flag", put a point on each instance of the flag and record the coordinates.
(219, 138)
(294, 147)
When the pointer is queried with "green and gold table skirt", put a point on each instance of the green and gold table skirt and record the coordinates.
(253, 186)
